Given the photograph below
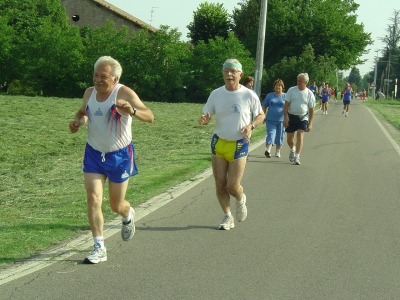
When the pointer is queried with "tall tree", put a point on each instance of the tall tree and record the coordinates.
(392, 52)
(319, 68)
(44, 51)
(206, 65)
(209, 21)
(329, 26)
(355, 78)
(158, 65)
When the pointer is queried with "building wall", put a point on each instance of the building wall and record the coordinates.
(96, 12)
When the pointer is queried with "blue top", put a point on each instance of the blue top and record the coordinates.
(275, 106)
(347, 94)
(313, 88)
(325, 94)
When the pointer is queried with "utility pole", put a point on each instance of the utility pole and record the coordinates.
(376, 70)
(260, 48)
(387, 82)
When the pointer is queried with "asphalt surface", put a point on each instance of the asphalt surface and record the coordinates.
(327, 229)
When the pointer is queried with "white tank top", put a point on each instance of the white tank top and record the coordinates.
(108, 130)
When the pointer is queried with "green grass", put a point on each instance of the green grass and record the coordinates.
(388, 109)
(42, 197)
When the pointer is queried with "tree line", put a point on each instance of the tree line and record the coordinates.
(388, 60)
(42, 54)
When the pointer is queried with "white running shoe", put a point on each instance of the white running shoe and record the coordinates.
(128, 229)
(296, 160)
(347, 114)
(343, 112)
(227, 223)
(97, 255)
(326, 112)
(241, 210)
(278, 153)
(292, 154)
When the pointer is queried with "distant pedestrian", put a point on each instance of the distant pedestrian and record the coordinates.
(274, 102)
(298, 115)
(108, 107)
(347, 92)
(325, 98)
(233, 105)
(336, 93)
(313, 87)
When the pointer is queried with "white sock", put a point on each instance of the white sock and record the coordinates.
(99, 240)
(128, 218)
(229, 214)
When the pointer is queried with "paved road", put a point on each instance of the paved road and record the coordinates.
(328, 229)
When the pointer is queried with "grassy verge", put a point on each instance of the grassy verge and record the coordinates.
(388, 112)
(42, 197)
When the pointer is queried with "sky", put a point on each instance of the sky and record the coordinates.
(374, 15)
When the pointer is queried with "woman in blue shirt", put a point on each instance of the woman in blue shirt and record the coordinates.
(274, 118)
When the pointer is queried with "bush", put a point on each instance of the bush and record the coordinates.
(17, 88)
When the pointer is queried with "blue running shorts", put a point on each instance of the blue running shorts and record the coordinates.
(118, 165)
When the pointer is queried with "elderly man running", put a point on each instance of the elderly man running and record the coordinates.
(233, 105)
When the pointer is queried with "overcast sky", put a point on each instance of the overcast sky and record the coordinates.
(179, 13)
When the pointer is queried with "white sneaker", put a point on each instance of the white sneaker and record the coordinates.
(292, 154)
(343, 112)
(241, 210)
(347, 114)
(296, 160)
(128, 229)
(227, 223)
(326, 112)
(278, 153)
(97, 255)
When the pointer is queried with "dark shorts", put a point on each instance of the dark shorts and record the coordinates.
(346, 102)
(118, 165)
(299, 126)
(324, 101)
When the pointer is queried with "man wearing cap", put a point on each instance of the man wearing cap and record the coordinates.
(233, 106)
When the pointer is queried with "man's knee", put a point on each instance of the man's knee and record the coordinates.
(234, 188)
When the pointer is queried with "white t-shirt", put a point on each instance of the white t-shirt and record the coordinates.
(300, 101)
(233, 110)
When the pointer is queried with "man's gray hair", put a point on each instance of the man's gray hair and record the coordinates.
(115, 65)
(305, 76)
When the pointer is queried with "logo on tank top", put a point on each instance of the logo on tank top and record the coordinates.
(98, 113)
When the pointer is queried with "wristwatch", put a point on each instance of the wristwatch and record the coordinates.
(134, 112)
